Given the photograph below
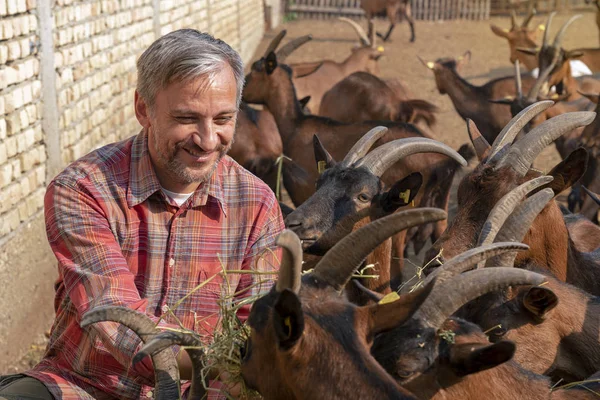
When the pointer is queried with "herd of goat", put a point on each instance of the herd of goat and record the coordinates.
(508, 306)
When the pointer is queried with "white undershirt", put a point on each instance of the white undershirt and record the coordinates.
(178, 198)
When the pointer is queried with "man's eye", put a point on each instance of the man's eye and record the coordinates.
(223, 120)
(185, 120)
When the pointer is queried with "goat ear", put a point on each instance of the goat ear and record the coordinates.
(288, 319)
(569, 55)
(499, 31)
(301, 71)
(567, 172)
(464, 59)
(322, 157)
(539, 301)
(402, 192)
(482, 147)
(373, 296)
(470, 358)
(593, 97)
(271, 63)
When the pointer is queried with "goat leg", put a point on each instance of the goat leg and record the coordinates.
(411, 22)
(387, 35)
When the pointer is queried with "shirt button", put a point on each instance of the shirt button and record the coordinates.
(149, 394)
(171, 262)
(165, 308)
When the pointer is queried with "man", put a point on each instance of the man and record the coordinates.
(141, 223)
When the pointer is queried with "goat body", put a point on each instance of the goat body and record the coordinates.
(391, 8)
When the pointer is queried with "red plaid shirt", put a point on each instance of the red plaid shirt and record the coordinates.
(120, 241)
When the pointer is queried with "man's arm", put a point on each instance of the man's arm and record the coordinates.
(93, 268)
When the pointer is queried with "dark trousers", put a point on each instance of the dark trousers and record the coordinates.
(22, 387)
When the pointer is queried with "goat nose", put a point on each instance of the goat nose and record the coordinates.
(293, 222)
(432, 265)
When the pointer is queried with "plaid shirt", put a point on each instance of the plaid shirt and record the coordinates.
(120, 241)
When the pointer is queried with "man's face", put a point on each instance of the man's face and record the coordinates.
(190, 128)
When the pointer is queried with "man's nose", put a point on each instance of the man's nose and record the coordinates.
(206, 138)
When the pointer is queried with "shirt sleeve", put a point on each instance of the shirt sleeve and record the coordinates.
(94, 271)
(262, 256)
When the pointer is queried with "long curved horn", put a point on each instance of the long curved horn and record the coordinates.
(522, 154)
(364, 40)
(338, 264)
(291, 46)
(593, 195)
(505, 207)
(518, 79)
(482, 147)
(383, 157)
(517, 225)
(464, 261)
(363, 146)
(513, 19)
(559, 36)
(291, 262)
(514, 126)
(542, 78)
(163, 341)
(547, 30)
(527, 20)
(166, 371)
(458, 291)
(275, 42)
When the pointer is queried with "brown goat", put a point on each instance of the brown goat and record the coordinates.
(505, 166)
(391, 8)
(309, 342)
(520, 37)
(364, 97)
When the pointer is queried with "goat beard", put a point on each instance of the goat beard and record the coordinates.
(179, 171)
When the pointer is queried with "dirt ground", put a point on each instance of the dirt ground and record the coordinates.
(489, 59)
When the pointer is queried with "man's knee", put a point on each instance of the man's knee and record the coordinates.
(22, 387)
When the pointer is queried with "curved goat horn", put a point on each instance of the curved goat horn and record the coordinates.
(527, 20)
(291, 262)
(163, 341)
(542, 78)
(513, 19)
(561, 33)
(363, 145)
(593, 195)
(464, 261)
(364, 40)
(547, 30)
(384, 156)
(445, 300)
(514, 126)
(291, 46)
(166, 371)
(517, 225)
(505, 206)
(275, 42)
(338, 264)
(522, 154)
(518, 79)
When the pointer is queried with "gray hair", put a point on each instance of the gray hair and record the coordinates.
(184, 54)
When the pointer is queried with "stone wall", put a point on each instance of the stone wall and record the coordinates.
(67, 77)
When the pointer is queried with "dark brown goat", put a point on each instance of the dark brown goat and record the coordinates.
(505, 166)
(391, 9)
(307, 341)
(520, 36)
(364, 97)
(473, 102)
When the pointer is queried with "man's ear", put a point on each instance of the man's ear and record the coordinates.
(270, 63)
(539, 301)
(142, 111)
(470, 358)
(403, 192)
(288, 319)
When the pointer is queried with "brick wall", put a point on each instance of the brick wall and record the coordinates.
(67, 77)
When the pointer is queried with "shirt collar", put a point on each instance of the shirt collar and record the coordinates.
(143, 181)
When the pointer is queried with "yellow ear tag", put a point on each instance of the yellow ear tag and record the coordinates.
(380, 49)
(404, 196)
(288, 323)
(389, 298)
(412, 203)
(506, 30)
(542, 27)
(430, 65)
(321, 166)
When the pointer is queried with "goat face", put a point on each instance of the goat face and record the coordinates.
(257, 84)
(518, 37)
(370, 58)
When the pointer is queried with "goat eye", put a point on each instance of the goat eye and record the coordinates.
(363, 197)
(404, 374)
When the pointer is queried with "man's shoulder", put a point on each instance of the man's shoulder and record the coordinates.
(107, 164)
(237, 178)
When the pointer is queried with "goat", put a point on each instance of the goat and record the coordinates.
(503, 167)
(319, 77)
(307, 341)
(597, 4)
(270, 83)
(391, 8)
(520, 37)
(362, 97)
(473, 101)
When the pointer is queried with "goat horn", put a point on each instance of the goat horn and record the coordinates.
(482, 147)
(559, 36)
(338, 264)
(163, 341)
(542, 77)
(384, 156)
(522, 154)
(514, 126)
(458, 291)
(504, 208)
(593, 195)
(362, 147)
(291, 262)
(275, 42)
(516, 226)
(513, 19)
(464, 261)
(527, 20)
(548, 23)
(518, 79)
(166, 370)
(364, 40)
(291, 46)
